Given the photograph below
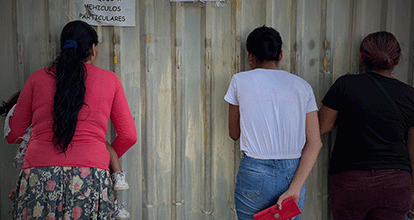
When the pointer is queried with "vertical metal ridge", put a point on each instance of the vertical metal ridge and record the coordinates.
(238, 63)
(293, 36)
(351, 33)
(174, 130)
(47, 21)
(411, 49)
(178, 197)
(208, 17)
(323, 44)
(21, 46)
(144, 112)
(325, 77)
(384, 14)
(270, 7)
(151, 110)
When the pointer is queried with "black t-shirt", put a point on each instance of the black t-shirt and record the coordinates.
(369, 134)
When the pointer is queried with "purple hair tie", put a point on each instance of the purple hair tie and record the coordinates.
(69, 44)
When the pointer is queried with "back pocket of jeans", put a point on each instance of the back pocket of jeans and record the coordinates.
(249, 183)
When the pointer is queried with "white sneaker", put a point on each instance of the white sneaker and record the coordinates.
(122, 213)
(119, 181)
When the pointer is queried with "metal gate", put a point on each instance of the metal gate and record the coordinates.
(176, 65)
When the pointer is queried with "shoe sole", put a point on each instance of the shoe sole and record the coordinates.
(121, 188)
(119, 218)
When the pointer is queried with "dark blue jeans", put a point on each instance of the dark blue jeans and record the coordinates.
(371, 194)
(261, 182)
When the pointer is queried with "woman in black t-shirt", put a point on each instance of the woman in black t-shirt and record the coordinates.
(374, 114)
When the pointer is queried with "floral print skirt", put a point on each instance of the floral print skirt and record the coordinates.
(63, 193)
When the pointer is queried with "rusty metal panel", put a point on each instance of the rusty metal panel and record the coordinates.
(176, 65)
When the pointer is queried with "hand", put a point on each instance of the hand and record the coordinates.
(289, 193)
(12, 194)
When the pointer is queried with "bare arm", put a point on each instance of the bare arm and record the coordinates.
(234, 122)
(309, 155)
(327, 118)
(114, 163)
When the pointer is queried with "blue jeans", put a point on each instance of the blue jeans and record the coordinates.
(261, 182)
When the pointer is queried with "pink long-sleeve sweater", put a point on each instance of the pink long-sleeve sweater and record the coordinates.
(104, 98)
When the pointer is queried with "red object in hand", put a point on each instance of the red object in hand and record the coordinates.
(289, 210)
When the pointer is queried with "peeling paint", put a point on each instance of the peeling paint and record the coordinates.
(149, 38)
(236, 5)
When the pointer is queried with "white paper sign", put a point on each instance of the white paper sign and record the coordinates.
(107, 12)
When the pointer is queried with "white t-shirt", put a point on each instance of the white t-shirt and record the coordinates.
(273, 105)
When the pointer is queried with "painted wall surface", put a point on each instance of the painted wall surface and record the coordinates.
(176, 65)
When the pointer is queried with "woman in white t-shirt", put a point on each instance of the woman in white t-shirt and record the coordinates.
(274, 113)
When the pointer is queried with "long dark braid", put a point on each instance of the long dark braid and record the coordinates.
(76, 43)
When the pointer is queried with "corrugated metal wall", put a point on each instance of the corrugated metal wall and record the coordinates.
(176, 65)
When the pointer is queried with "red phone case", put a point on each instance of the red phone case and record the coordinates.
(289, 210)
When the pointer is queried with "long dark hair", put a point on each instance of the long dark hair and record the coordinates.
(76, 43)
(6, 106)
(380, 51)
(265, 43)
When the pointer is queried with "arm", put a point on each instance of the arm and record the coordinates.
(234, 122)
(22, 115)
(123, 122)
(410, 145)
(327, 118)
(114, 164)
(309, 155)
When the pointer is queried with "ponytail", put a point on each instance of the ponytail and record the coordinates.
(76, 41)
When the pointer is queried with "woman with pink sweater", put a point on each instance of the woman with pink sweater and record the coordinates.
(65, 170)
